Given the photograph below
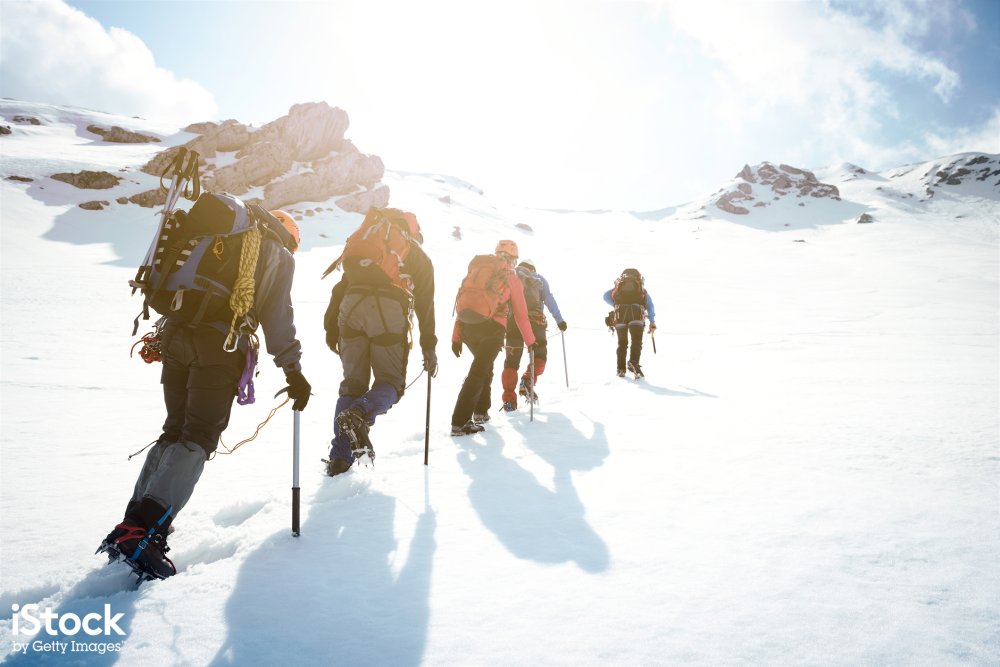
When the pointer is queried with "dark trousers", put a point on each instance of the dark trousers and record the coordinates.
(635, 331)
(484, 340)
(515, 344)
(199, 382)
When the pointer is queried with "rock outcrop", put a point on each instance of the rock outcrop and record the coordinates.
(120, 135)
(89, 180)
(967, 168)
(303, 156)
(766, 180)
(149, 198)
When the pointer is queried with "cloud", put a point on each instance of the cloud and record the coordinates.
(50, 52)
(795, 52)
(821, 81)
(984, 138)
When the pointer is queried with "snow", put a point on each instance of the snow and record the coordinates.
(808, 475)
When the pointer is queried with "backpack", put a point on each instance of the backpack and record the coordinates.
(533, 297)
(374, 254)
(197, 259)
(484, 291)
(629, 288)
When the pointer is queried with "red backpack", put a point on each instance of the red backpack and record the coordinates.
(485, 290)
(374, 254)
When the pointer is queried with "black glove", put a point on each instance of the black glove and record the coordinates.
(562, 326)
(456, 347)
(333, 342)
(430, 363)
(298, 390)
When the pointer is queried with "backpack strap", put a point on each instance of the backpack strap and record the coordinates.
(629, 313)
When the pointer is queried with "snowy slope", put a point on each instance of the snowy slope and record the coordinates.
(808, 476)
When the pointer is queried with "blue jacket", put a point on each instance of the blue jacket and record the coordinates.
(547, 298)
(650, 309)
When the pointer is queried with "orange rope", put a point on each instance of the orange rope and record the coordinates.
(255, 434)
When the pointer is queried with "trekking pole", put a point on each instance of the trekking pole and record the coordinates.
(295, 474)
(652, 337)
(565, 366)
(183, 172)
(531, 398)
(427, 425)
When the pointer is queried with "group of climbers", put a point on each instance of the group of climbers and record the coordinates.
(387, 278)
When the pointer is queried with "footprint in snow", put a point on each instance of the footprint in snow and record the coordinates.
(238, 513)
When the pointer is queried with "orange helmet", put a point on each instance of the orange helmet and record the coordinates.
(508, 248)
(288, 223)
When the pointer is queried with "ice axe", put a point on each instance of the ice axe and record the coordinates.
(295, 464)
(295, 473)
(427, 424)
(531, 395)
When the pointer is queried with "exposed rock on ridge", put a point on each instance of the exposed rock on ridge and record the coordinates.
(303, 156)
(782, 181)
(978, 171)
(120, 135)
(979, 167)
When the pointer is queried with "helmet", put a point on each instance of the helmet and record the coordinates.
(528, 264)
(288, 223)
(507, 247)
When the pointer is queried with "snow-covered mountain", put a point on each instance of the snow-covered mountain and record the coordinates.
(808, 476)
(766, 196)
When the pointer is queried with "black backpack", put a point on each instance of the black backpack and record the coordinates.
(629, 288)
(197, 258)
(533, 297)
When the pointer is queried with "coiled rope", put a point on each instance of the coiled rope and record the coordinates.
(241, 298)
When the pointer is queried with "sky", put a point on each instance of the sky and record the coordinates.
(808, 475)
(624, 105)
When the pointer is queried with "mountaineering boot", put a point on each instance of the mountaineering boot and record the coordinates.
(480, 417)
(142, 549)
(527, 390)
(354, 425)
(469, 428)
(621, 372)
(633, 367)
(509, 406)
(336, 466)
